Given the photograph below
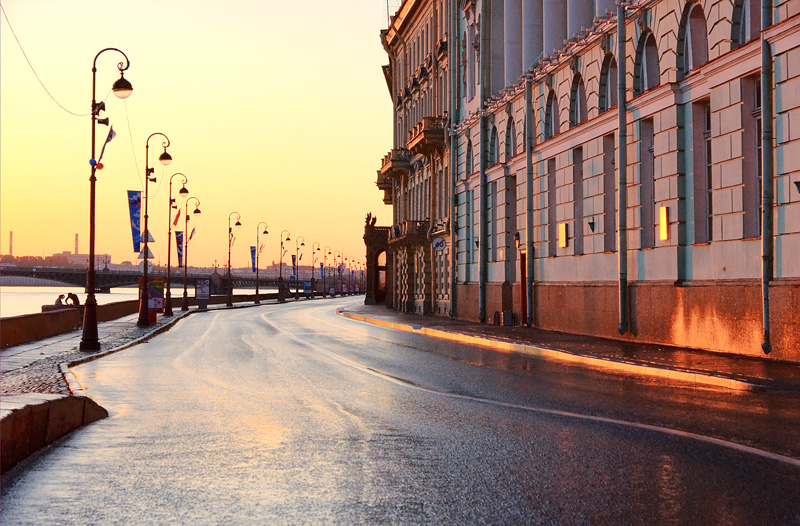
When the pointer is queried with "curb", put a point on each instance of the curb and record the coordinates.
(568, 357)
(31, 422)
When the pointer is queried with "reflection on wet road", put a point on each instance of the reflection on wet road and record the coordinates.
(292, 415)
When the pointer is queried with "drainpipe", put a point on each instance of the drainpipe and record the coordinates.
(622, 167)
(767, 170)
(482, 253)
(453, 45)
(529, 189)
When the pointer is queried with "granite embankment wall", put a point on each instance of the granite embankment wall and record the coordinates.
(16, 330)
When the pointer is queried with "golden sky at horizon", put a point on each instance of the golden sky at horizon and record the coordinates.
(275, 110)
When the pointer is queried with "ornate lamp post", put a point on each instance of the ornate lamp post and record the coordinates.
(325, 253)
(336, 255)
(258, 252)
(165, 158)
(229, 303)
(183, 192)
(314, 249)
(299, 241)
(122, 89)
(280, 267)
(185, 304)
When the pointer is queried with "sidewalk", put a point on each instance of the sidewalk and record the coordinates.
(687, 365)
(38, 405)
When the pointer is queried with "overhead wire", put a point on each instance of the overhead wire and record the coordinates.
(34, 70)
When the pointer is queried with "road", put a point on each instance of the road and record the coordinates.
(291, 414)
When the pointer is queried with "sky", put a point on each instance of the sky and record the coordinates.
(277, 110)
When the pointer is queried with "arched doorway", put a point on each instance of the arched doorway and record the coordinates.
(380, 277)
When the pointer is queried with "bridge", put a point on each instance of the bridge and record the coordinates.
(105, 279)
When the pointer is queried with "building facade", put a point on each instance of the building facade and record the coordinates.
(628, 171)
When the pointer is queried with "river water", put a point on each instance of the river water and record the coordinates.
(17, 300)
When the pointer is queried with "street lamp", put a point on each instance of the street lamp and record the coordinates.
(186, 237)
(258, 251)
(337, 254)
(122, 89)
(325, 253)
(229, 303)
(347, 271)
(300, 241)
(165, 158)
(314, 249)
(280, 267)
(183, 192)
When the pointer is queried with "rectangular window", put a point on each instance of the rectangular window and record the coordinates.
(751, 159)
(609, 197)
(552, 204)
(577, 193)
(491, 219)
(703, 187)
(646, 183)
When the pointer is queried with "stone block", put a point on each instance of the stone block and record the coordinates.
(732, 227)
(64, 416)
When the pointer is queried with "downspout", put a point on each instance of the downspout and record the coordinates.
(767, 170)
(622, 167)
(453, 45)
(529, 197)
(482, 252)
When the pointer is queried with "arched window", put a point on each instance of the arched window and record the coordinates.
(746, 21)
(551, 116)
(492, 157)
(511, 139)
(469, 165)
(577, 102)
(692, 40)
(608, 83)
(647, 74)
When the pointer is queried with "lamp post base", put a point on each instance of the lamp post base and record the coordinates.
(168, 304)
(89, 339)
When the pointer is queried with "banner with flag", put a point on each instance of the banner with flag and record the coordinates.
(294, 264)
(253, 257)
(111, 135)
(175, 222)
(179, 243)
(135, 209)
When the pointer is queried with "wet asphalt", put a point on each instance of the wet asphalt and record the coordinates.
(293, 415)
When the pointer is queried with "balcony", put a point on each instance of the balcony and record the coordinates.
(427, 137)
(396, 163)
(384, 183)
(409, 232)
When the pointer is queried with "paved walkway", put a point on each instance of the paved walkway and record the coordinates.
(688, 365)
(35, 367)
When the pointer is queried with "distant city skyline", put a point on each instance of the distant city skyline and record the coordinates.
(273, 110)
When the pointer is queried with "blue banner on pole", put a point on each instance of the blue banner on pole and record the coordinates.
(294, 264)
(179, 243)
(135, 209)
(253, 257)
(322, 270)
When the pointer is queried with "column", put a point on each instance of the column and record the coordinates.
(532, 32)
(513, 40)
(580, 13)
(554, 17)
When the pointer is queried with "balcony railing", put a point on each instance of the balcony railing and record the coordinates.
(396, 163)
(409, 231)
(427, 136)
